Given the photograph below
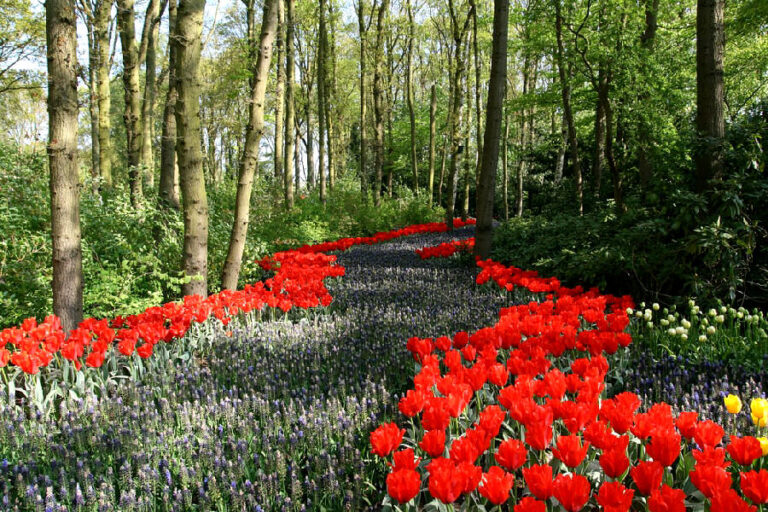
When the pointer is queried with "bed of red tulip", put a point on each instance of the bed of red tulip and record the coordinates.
(512, 414)
(298, 282)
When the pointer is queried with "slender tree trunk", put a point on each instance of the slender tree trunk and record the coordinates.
(250, 159)
(505, 168)
(297, 160)
(152, 26)
(132, 114)
(321, 78)
(443, 158)
(602, 93)
(102, 13)
(330, 95)
(93, 106)
(290, 108)
(616, 180)
(310, 145)
(432, 123)
(455, 119)
(645, 167)
(710, 121)
(363, 102)
(560, 164)
(61, 38)
(409, 93)
(468, 161)
(566, 91)
(280, 95)
(478, 96)
(486, 184)
(169, 176)
(378, 101)
(189, 26)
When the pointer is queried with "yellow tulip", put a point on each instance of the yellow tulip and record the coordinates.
(760, 421)
(763, 444)
(759, 407)
(733, 404)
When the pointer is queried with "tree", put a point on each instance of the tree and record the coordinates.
(148, 49)
(254, 131)
(61, 37)
(378, 101)
(279, 157)
(169, 171)
(710, 121)
(187, 38)
(486, 184)
(290, 104)
(409, 94)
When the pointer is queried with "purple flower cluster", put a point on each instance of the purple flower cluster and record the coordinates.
(274, 416)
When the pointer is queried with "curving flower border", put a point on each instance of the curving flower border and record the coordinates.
(298, 282)
(511, 415)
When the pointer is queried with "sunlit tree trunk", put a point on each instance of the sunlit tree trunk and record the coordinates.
(378, 101)
(321, 96)
(102, 12)
(152, 27)
(505, 168)
(279, 160)
(169, 171)
(189, 26)
(126, 22)
(409, 93)
(61, 38)
(290, 109)
(362, 30)
(93, 104)
(250, 159)
(432, 128)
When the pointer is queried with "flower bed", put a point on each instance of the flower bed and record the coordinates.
(512, 414)
(298, 281)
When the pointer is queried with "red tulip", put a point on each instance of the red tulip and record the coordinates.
(614, 497)
(496, 485)
(571, 491)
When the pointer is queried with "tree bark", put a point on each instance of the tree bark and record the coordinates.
(478, 96)
(290, 109)
(152, 26)
(93, 105)
(189, 25)
(600, 128)
(250, 160)
(169, 173)
(102, 14)
(280, 95)
(132, 114)
(486, 184)
(330, 94)
(432, 127)
(710, 121)
(505, 168)
(455, 120)
(378, 101)
(566, 92)
(409, 93)
(362, 29)
(61, 38)
(321, 124)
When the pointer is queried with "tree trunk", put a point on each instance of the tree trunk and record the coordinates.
(102, 14)
(189, 25)
(152, 27)
(330, 94)
(169, 177)
(560, 164)
(566, 91)
(505, 169)
(486, 184)
(409, 93)
(310, 145)
(443, 158)
(290, 108)
(618, 195)
(432, 123)
(600, 131)
(645, 167)
(363, 102)
(468, 161)
(250, 159)
(321, 124)
(132, 114)
(93, 106)
(378, 101)
(478, 96)
(280, 95)
(61, 37)
(455, 120)
(710, 122)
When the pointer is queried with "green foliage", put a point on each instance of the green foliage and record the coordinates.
(132, 258)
